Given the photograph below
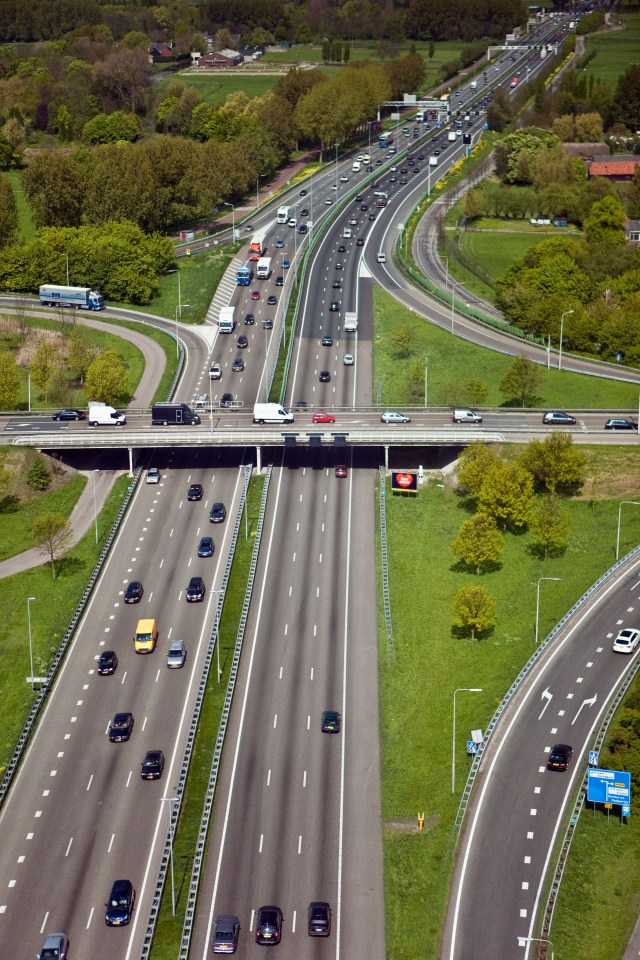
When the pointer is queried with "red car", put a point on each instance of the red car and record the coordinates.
(341, 470)
(255, 295)
(322, 417)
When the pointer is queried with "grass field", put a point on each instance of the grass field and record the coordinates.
(26, 229)
(55, 601)
(417, 687)
(214, 88)
(457, 360)
(615, 49)
(492, 250)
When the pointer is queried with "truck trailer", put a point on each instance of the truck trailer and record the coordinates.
(80, 298)
(350, 322)
(166, 413)
(226, 320)
(263, 270)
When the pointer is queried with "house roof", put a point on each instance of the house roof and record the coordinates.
(231, 54)
(613, 168)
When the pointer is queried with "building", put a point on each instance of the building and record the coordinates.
(222, 59)
(619, 170)
(632, 232)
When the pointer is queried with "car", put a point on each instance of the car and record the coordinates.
(218, 513)
(378, 162)
(279, 243)
(359, 198)
(393, 179)
(404, 181)
(272, 300)
(339, 265)
(255, 295)
(293, 221)
(242, 342)
(337, 285)
(133, 593)
(327, 341)
(249, 320)
(195, 590)
(303, 193)
(342, 248)
(215, 370)
(300, 404)
(280, 281)
(226, 399)
(176, 654)
(153, 475)
(55, 947)
(152, 766)
(626, 641)
(372, 216)
(334, 186)
(285, 264)
(268, 925)
(360, 242)
(328, 202)
(421, 156)
(341, 470)
(330, 722)
(322, 417)
(559, 757)
(120, 727)
(107, 664)
(120, 904)
(436, 153)
(344, 178)
(304, 212)
(195, 492)
(348, 360)
(69, 414)
(319, 919)
(206, 547)
(392, 416)
(364, 207)
(238, 365)
(353, 221)
(325, 376)
(302, 228)
(464, 415)
(248, 227)
(558, 416)
(620, 423)
(267, 324)
(226, 933)
(334, 306)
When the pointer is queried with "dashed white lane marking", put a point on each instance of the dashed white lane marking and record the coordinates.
(275, 721)
(269, 778)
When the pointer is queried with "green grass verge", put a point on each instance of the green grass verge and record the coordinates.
(416, 689)
(458, 360)
(214, 88)
(51, 612)
(169, 929)
(16, 517)
(26, 228)
(615, 49)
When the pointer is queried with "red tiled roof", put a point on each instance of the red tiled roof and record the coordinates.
(612, 168)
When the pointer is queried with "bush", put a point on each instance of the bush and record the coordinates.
(38, 476)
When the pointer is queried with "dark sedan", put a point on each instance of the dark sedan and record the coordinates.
(120, 727)
(331, 721)
(120, 904)
(195, 590)
(134, 591)
(205, 547)
(319, 919)
(107, 663)
(620, 423)
(218, 513)
(152, 765)
(69, 414)
(559, 757)
(269, 925)
(195, 492)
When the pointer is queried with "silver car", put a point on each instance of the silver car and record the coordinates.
(153, 475)
(392, 416)
(176, 655)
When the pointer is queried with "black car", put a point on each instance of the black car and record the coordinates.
(152, 765)
(359, 198)
(120, 727)
(339, 265)
(225, 938)
(107, 663)
(272, 300)
(342, 248)
(331, 721)
(226, 399)
(319, 919)
(218, 513)
(302, 228)
(303, 193)
(337, 284)
(249, 320)
(559, 757)
(268, 925)
(360, 242)
(620, 423)
(364, 207)
(242, 341)
(133, 593)
(206, 547)
(238, 365)
(372, 216)
(280, 281)
(69, 414)
(327, 341)
(195, 590)
(195, 492)
(558, 416)
(120, 904)
(334, 306)
(325, 376)
(304, 212)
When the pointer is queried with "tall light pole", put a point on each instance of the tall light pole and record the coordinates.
(446, 271)
(171, 801)
(453, 742)
(217, 623)
(635, 503)
(369, 122)
(426, 381)
(565, 314)
(233, 218)
(523, 940)
(337, 145)
(557, 579)
(95, 504)
(29, 599)
(453, 301)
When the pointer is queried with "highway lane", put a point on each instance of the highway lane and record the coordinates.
(78, 815)
(519, 807)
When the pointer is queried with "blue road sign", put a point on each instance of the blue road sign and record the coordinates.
(610, 786)
(593, 758)
(472, 746)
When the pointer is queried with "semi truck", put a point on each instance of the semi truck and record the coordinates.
(166, 413)
(101, 414)
(451, 136)
(81, 298)
(271, 413)
(283, 215)
(226, 320)
(263, 270)
(257, 245)
(350, 322)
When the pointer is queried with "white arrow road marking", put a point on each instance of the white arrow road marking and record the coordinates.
(584, 703)
(548, 697)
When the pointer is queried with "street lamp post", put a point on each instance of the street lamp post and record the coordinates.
(565, 314)
(634, 503)
(233, 218)
(217, 623)
(171, 801)
(453, 301)
(453, 742)
(29, 599)
(95, 504)
(426, 381)
(523, 940)
(337, 145)
(557, 579)
(446, 271)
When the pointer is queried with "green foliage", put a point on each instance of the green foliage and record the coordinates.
(38, 474)
(479, 543)
(59, 388)
(473, 609)
(475, 462)
(605, 223)
(10, 385)
(401, 339)
(517, 153)
(111, 128)
(507, 495)
(44, 362)
(53, 534)
(555, 463)
(522, 382)
(81, 350)
(106, 379)
(549, 525)
(8, 213)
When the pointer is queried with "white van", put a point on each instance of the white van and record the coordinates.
(355, 166)
(271, 413)
(346, 233)
(100, 414)
(466, 416)
(382, 257)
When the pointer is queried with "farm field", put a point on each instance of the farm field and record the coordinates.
(214, 88)
(615, 49)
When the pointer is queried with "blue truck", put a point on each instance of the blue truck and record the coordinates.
(81, 298)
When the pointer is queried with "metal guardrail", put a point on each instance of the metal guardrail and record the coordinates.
(517, 683)
(386, 598)
(64, 643)
(176, 805)
(205, 821)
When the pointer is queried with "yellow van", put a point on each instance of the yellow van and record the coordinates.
(146, 636)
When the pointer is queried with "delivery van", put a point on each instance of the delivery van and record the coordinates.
(146, 636)
(101, 414)
(271, 413)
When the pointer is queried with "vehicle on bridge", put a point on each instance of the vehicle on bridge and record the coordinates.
(271, 413)
(101, 414)
(166, 413)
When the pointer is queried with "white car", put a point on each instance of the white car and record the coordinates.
(215, 371)
(328, 202)
(392, 416)
(348, 360)
(153, 475)
(626, 641)
(344, 178)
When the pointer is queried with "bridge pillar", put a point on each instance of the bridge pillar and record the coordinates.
(258, 460)
(386, 459)
(130, 461)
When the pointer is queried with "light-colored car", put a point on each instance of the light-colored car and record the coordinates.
(626, 641)
(392, 416)
(466, 416)
(176, 655)
(215, 371)
(153, 475)
(348, 360)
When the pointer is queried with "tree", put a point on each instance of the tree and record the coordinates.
(53, 535)
(476, 392)
(80, 349)
(522, 382)
(59, 391)
(10, 387)
(605, 223)
(401, 339)
(38, 474)
(44, 362)
(8, 213)
(550, 524)
(106, 378)
(479, 542)
(55, 187)
(506, 495)
(473, 609)
(474, 464)
(554, 462)
(626, 101)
